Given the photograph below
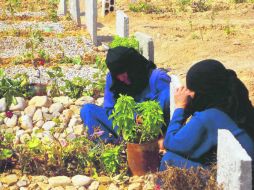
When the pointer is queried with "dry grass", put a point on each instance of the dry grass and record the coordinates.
(189, 179)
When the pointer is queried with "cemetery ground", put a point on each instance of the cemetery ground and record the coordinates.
(49, 148)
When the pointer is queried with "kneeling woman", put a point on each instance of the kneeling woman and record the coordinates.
(216, 99)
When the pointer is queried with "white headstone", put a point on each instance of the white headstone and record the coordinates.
(107, 6)
(122, 24)
(146, 46)
(62, 8)
(174, 84)
(234, 165)
(75, 11)
(91, 19)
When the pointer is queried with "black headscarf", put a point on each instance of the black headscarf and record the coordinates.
(122, 59)
(218, 87)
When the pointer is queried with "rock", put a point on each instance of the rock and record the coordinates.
(135, 186)
(65, 100)
(37, 116)
(26, 122)
(104, 179)
(84, 100)
(40, 101)
(71, 136)
(45, 110)
(19, 133)
(70, 188)
(94, 185)
(73, 122)
(14, 187)
(56, 107)
(79, 129)
(66, 116)
(99, 101)
(23, 188)
(82, 188)
(136, 179)
(9, 130)
(24, 138)
(39, 124)
(20, 106)
(30, 110)
(102, 187)
(1, 186)
(57, 188)
(33, 186)
(56, 114)
(9, 179)
(237, 43)
(11, 122)
(81, 180)
(59, 181)
(75, 109)
(113, 187)
(3, 105)
(48, 125)
(43, 186)
(22, 183)
(40, 178)
(149, 186)
(47, 117)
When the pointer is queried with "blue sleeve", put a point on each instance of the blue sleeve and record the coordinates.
(109, 100)
(184, 139)
(162, 82)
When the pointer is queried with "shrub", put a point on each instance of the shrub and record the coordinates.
(127, 42)
(143, 7)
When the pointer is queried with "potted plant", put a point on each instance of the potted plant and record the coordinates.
(141, 134)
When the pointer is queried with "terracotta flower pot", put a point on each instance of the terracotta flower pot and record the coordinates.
(39, 89)
(143, 158)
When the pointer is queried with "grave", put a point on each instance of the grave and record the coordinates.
(122, 24)
(146, 45)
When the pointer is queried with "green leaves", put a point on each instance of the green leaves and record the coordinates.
(127, 42)
(123, 117)
(110, 159)
(5, 154)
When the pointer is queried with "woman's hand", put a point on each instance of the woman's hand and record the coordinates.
(162, 149)
(182, 97)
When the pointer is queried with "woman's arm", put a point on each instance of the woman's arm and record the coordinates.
(109, 100)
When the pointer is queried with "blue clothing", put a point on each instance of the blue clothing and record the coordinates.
(95, 116)
(190, 145)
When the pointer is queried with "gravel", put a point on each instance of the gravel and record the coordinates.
(26, 14)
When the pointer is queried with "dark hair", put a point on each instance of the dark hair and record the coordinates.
(123, 59)
(218, 87)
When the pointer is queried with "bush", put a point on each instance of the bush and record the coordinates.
(143, 7)
(127, 42)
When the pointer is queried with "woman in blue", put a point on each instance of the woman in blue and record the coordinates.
(216, 99)
(130, 74)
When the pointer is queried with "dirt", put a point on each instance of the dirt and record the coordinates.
(225, 32)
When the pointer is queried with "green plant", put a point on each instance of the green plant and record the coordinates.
(52, 10)
(150, 113)
(183, 3)
(143, 7)
(12, 5)
(56, 75)
(6, 150)
(127, 42)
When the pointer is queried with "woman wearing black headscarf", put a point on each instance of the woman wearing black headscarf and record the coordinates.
(216, 99)
(130, 74)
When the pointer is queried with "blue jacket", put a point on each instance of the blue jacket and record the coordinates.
(158, 89)
(200, 134)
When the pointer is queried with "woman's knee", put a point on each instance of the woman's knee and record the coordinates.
(86, 110)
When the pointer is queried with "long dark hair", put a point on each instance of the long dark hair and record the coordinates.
(218, 87)
(123, 59)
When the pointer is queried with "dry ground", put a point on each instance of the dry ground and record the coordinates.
(225, 32)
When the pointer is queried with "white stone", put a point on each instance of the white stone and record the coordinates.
(26, 122)
(56, 114)
(122, 24)
(146, 45)
(84, 100)
(40, 101)
(174, 84)
(65, 100)
(59, 181)
(24, 138)
(112, 186)
(91, 19)
(81, 180)
(73, 122)
(9, 179)
(3, 105)
(20, 106)
(234, 165)
(99, 101)
(37, 115)
(30, 110)
(56, 107)
(62, 8)
(134, 186)
(47, 117)
(19, 133)
(45, 110)
(11, 122)
(39, 123)
(48, 125)
(75, 11)
(75, 109)
(79, 129)
(22, 183)
(94, 185)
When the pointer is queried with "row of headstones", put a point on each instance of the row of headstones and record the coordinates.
(234, 165)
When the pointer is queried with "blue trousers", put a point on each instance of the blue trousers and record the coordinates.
(95, 116)
(172, 159)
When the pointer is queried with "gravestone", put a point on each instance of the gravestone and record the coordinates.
(122, 24)
(75, 11)
(62, 8)
(234, 170)
(107, 6)
(174, 84)
(146, 46)
(91, 19)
